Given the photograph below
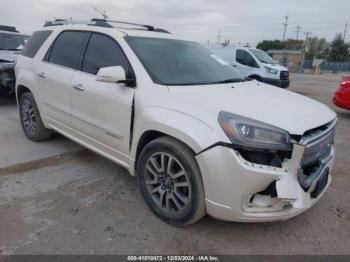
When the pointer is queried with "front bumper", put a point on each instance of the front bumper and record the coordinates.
(230, 182)
(276, 82)
(7, 77)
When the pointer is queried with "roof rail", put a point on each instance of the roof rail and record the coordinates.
(148, 27)
(8, 28)
(102, 23)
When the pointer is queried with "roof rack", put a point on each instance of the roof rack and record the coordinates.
(8, 28)
(102, 23)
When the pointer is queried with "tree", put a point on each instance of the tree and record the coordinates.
(292, 44)
(316, 48)
(267, 45)
(339, 50)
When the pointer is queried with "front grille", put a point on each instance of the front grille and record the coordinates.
(318, 144)
(284, 75)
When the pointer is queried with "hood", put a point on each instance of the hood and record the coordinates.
(272, 105)
(8, 56)
(276, 66)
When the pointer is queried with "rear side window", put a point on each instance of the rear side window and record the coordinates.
(35, 42)
(102, 51)
(68, 49)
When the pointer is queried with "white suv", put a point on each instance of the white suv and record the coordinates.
(199, 138)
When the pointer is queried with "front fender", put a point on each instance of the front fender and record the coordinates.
(190, 130)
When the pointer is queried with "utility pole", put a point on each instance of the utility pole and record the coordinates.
(219, 37)
(345, 31)
(304, 50)
(298, 31)
(285, 24)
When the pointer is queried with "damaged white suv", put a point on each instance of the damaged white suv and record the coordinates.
(200, 139)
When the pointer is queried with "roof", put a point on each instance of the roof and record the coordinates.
(125, 28)
(285, 52)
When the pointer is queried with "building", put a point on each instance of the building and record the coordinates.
(291, 59)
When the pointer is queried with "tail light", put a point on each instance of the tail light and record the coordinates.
(344, 84)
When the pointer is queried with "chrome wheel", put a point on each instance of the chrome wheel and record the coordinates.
(28, 118)
(168, 183)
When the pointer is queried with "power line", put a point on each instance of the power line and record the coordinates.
(298, 31)
(285, 24)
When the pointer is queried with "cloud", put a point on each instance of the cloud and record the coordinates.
(200, 20)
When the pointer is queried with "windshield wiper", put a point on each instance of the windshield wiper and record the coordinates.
(12, 49)
(231, 80)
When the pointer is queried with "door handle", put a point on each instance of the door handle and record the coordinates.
(42, 75)
(79, 87)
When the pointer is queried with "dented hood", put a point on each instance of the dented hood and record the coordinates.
(272, 105)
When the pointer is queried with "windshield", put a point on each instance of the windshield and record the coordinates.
(175, 62)
(262, 56)
(12, 42)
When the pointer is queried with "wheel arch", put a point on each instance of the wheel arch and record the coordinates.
(188, 130)
(255, 76)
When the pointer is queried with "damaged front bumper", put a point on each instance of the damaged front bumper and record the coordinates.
(239, 190)
(7, 77)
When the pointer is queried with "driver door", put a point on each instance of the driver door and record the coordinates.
(246, 65)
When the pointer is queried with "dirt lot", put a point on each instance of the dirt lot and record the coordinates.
(80, 203)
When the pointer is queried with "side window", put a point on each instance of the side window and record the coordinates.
(240, 57)
(103, 51)
(68, 49)
(244, 58)
(35, 42)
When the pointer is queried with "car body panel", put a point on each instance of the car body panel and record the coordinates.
(341, 97)
(110, 119)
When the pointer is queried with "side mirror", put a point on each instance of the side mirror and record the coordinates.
(114, 74)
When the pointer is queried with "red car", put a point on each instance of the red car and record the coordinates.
(342, 95)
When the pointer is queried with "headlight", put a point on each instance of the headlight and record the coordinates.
(249, 133)
(270, 70)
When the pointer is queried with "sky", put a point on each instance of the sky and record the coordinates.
(199, 20)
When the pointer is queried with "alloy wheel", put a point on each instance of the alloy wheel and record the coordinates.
(168, 183)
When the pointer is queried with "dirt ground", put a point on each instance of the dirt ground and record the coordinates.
(80, 203)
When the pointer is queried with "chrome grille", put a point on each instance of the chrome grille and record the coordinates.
(319, 148)
(318, 152)
(284, 75)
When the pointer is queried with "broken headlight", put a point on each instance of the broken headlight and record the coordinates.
(249, 133)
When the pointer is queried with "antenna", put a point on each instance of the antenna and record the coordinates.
(102, 13)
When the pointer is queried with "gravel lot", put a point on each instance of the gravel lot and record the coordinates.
(80, 203)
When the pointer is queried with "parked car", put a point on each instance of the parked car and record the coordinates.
(254, 63)
(342, 95)
(200, 139)
(11, 44)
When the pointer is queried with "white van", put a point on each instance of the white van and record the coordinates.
(254, 63)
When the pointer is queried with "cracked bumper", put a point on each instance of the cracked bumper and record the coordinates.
(230, 181)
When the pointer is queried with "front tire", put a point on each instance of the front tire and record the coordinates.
(170, 182)
(32, 124)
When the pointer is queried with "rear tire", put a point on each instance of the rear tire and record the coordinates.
(32, 124)
(170, 182)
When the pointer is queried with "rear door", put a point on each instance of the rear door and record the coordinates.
(55, 74)
(101, 112)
